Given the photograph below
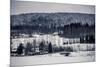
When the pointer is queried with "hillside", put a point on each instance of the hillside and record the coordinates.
(66, 24)
(48, 19)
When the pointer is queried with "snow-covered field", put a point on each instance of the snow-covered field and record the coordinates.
(86, 56)
(81, 51)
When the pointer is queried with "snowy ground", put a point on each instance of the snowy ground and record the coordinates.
(86, 56)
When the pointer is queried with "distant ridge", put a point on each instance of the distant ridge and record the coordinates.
(52, 18)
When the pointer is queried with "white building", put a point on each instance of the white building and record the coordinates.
(53, 38)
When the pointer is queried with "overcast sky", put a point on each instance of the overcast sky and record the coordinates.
(19, 7)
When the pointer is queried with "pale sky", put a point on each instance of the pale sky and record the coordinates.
(19, 7)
